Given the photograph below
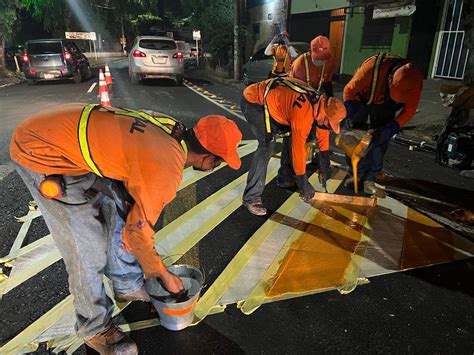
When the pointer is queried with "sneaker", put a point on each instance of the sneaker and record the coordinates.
(369, 187)
(256, 208)
(112, 341)
(349, 183)
(138, 295)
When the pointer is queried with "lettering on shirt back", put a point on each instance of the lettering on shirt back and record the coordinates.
(299, 98)
(138, 125)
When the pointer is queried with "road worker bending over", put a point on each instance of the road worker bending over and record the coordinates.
(283, 107)
(101, 177)
(283, 54)
(383, 85)
(316, 67)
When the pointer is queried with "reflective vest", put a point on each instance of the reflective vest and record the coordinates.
(280, 60)
(397, 62)
(172, 127)
(306, 72)
(313, 97)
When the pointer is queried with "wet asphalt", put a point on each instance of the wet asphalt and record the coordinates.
(427, 310)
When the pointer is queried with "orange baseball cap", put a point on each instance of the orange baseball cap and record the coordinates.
(330, 111)
(406, 83)
(320, 48)
(221, 137)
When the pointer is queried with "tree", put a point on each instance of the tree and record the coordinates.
(214, 18)
(8, 11)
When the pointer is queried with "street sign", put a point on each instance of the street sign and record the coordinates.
(197, 35)
(81, 35)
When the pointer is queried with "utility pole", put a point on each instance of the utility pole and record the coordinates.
(237, 46)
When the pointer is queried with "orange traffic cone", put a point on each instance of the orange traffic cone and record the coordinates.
(108, 76)
(103, 90)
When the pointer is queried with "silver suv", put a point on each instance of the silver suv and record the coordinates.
(155, 57)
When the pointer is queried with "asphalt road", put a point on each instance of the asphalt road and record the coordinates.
(427, 310)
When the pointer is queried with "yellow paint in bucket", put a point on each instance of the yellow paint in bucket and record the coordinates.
(176, 314)
(355, 146)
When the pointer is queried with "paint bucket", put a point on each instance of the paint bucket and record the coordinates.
(176, 313)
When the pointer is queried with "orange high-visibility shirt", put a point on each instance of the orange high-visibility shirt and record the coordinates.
(313, 77)
(293, 109)
(359, 88)
(281, 59)
(148, 161)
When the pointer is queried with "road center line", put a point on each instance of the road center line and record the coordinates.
(92, 87)
(216, 103)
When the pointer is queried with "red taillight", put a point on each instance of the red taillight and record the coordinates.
(26, 59)
(33, 71)
(137, 53)
(178, 55)
(67, 56)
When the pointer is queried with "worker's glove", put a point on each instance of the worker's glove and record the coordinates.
(306, 190)
(383, 134)
(352, 106)
(324, 168)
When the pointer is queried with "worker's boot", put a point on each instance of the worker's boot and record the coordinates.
(256, 207)
(138, 295)
(349, 183)
(369, 187)
(112, 341)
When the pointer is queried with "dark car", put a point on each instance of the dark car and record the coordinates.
(54, 59)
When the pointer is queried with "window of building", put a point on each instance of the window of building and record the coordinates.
(378, 32)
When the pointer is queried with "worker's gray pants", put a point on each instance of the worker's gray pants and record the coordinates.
(88, 234)
(258, 167)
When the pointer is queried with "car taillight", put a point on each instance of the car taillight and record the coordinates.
(178, 55)
(26, 59)
(67, 56)
(137, 53)
(33, 71)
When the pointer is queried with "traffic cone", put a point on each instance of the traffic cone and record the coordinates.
(103, 90)
(108, 76)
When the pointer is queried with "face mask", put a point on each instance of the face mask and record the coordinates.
(318, 62)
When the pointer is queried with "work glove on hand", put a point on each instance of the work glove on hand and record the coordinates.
(352, 106)
(383, 134)
(307, 191)
(324, 168)
(172, 283)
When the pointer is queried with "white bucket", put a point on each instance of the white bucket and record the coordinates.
(176, 315)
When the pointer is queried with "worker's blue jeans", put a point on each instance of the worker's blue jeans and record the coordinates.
(258, 167)
(372, 164)
(88, 234)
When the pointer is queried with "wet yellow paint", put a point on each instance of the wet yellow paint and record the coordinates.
(425, 242)
(320, 258)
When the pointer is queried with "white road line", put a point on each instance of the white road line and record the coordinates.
(92, 87)
(216, 103)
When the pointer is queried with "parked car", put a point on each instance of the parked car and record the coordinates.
(184, 48)
(193, 52)
(155, 57)
(259, 66)
(54, 59)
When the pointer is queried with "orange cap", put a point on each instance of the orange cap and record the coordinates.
(320, 48)
(221, 137)
(406, 83)
(330, 111)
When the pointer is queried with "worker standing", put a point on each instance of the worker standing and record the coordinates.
(383, 85)
(283, 55)
(316, 67)
(284, 107)
(85, 166)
